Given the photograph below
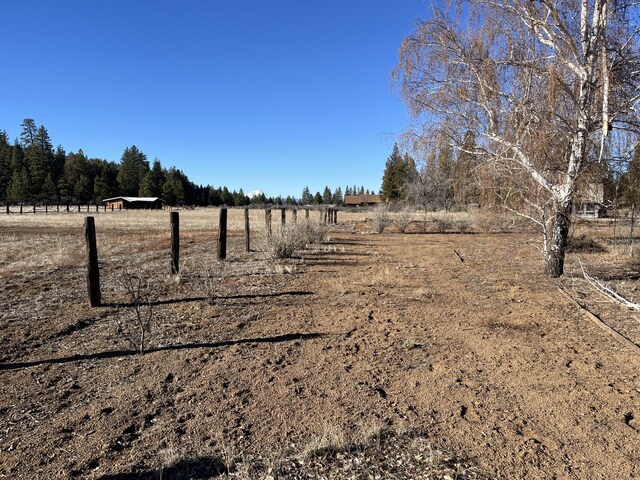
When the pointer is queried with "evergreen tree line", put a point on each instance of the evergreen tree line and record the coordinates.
(329, 197)
(31, 170)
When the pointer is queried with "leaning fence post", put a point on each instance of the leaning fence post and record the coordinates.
(246, 229)
(267, 219)
(175, 243)
(93, 270)
(222, 235)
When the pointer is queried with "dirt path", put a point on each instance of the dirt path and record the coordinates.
(484, 357)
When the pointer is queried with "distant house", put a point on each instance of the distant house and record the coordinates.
(589, 201)
(362, 200)
(133, 203)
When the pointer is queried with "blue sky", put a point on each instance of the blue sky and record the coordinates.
(253, 94)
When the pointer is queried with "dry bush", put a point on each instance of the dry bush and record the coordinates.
(403, 219)
(139, 322)
(210, 276)
(313, 232)
(493, 223)
(284, 243)
(443, 223)
(381, 218)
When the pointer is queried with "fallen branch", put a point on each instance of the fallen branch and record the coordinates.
(602, 288)
(595, 319)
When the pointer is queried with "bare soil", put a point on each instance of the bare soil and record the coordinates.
(482, 358)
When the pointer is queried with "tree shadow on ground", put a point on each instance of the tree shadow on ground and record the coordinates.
(199, 468)
(289, 337)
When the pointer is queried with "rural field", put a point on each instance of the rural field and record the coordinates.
(443, 352)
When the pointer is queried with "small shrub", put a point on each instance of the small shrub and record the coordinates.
(403, 219)
(381, 218)
(212, 274)
(313, 232)
(138, 324)
(286, 242)
(442, 224)
(463, 225)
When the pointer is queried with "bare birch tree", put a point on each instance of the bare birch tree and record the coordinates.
(543, 85)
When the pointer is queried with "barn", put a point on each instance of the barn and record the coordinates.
(361, 200)
(133, 203)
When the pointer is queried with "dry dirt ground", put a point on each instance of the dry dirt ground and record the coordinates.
(482, 362)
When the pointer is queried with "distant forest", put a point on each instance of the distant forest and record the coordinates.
(32, 171)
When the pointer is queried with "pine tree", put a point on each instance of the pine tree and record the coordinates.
(29, 131)
(398, 170)
(317, 199)
(19, 186)
(133, 167)
(105, 184)
(173, 188)
(75, 166)
(82, 189)
(49, 190)
(5, 164)
(226, 197)
(337, 197)
(307, 198)
(41, 161)
(153, 181)
(326, 196)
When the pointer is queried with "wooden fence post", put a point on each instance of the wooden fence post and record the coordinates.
(20, 209)
(294, 213)
(306, 213)
(284, 216)
(46, 208)
(8, 209)
(246, 230)
(267, 219)
(175, 243)
(335, 216)
(93, 270)
(222, 235)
